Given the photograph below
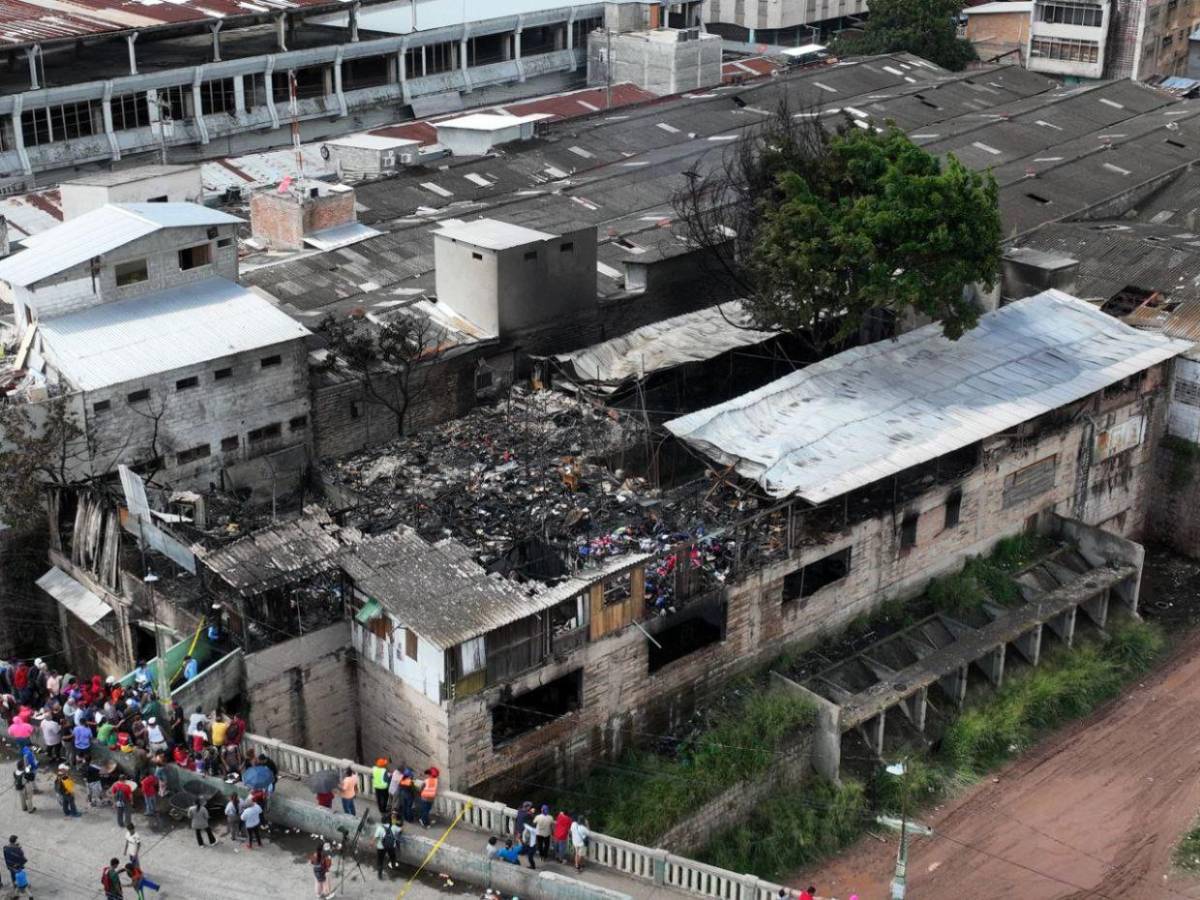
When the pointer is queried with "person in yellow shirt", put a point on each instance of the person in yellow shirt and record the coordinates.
(220, 726)
(379, 781)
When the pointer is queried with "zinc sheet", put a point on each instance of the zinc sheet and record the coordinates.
(873, 411)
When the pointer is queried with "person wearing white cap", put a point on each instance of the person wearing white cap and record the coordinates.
(157, 741)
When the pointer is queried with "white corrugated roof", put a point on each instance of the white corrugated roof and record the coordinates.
(98, 232)
(161, 332)
(692, 337)
(489, 121)
(873, 411)
(74, 596)
(1002, 6)
(368, 141)
(491, 234)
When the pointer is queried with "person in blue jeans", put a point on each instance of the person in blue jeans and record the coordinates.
(138, 879)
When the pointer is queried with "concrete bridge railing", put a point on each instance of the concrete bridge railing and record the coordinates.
(649, 864)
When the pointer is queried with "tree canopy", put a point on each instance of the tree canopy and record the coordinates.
(926, 28)
(820, 229)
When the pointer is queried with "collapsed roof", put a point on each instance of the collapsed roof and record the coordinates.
(870, 412)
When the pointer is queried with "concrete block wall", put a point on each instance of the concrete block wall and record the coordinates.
(282, 220)
(737, 802)
(446, 392)
(251, 398)
(215, 686)
(75, 289)
(305, 692)
(399, 722)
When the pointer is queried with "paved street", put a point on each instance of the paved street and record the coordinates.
(66, 856)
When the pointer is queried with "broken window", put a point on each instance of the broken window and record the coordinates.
(515, 648)
(953, 508)
(820, 573)
(364, 72)
(705, 627)
(265, 433)
(299, 423)
(138, 396)
(131, 272)
(269, 361)
(529, 711)
(617, 589)
(229, 443)
(101, 406)
(1029, 482)
(908, 530)
(225, 242)
(175, 103)
(186, 456)
(184, 384)
(194, 257)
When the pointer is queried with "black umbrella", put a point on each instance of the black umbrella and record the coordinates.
(323, 782)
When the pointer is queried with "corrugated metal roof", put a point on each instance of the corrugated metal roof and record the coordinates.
(31, 21)
(100, 231)
(80, 601)
(873, 411)
(692, 337)
(437, 590)
(163, 331)
(279, 555)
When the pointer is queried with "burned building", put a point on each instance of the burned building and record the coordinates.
(834, 489)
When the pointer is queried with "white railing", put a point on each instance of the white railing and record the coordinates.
(644, 863)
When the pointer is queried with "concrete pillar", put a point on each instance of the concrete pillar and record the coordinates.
(917, 704)
(197, 106)
(239, 94)
(354, 22)
(955, 686)
(560, 38)
(993, 665)
(463, 54)
(19, 136)
(106, 113)
(130, 40)
(281, 31)
(1127, 593)
(1029, 645)
(1097, 608)
(269, 95)
(1064, 626)
(337, 83)
(31, 54)
(424, 62)
(215, 28)
(878, 727)
(750, 37)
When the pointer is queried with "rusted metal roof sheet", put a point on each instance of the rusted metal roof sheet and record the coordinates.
(279, 555)
(35, 21)
(1182, 322)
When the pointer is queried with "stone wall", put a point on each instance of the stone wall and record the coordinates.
(304, 692)
(399, 722)
(215, 686)
(740, 799)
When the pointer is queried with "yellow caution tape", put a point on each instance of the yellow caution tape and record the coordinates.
(433, 850)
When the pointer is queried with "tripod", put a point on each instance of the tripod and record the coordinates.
(350, 848)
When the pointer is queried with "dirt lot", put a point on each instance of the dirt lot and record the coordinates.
(1094, 811)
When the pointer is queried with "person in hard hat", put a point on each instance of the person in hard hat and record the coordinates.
(379, 783)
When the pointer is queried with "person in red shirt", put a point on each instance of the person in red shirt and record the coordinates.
(562, 833)
(809, 893)
(149, 787)
(122, 794)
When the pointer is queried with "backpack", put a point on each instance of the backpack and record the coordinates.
(389, 838)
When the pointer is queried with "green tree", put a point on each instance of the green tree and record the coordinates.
(820, 225)
(926, 28)
(38, 446)
(879, 225)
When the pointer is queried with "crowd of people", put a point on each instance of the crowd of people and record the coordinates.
(538, 833)
(58, 720)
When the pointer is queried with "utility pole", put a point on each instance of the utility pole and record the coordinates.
(900, 879)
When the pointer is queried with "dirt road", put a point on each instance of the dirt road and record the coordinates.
(1093, 812)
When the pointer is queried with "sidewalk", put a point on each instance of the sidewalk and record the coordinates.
(467, 838)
